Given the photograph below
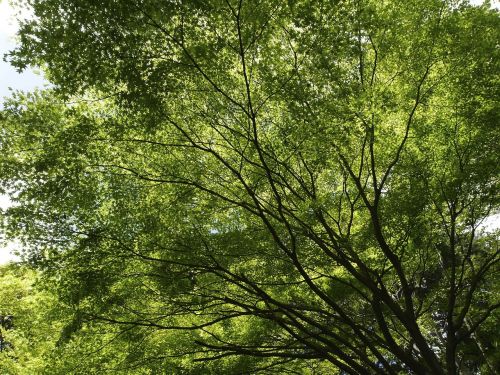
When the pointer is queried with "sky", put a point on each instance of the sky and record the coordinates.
(12, 80)
(9, 78)
(29, 79)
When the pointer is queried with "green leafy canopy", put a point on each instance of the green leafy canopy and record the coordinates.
(261, 186)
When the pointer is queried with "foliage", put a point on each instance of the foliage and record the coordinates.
(242, 187)
(33, 332)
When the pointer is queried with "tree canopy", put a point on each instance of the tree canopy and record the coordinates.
(263, 186)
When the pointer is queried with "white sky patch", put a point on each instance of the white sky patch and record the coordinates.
(7, 248)
(494, 3)
(4, 202)
(9, 17)
(7, 26)
(490, 223)
(10, 79)
(8, 251)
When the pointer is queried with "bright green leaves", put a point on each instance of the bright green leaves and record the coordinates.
(36, 322)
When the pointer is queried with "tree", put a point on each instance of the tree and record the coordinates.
(27, 325)
(39, 335)
(266, 184)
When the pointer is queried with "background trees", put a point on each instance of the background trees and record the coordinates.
(268, 184)
(28, 325)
